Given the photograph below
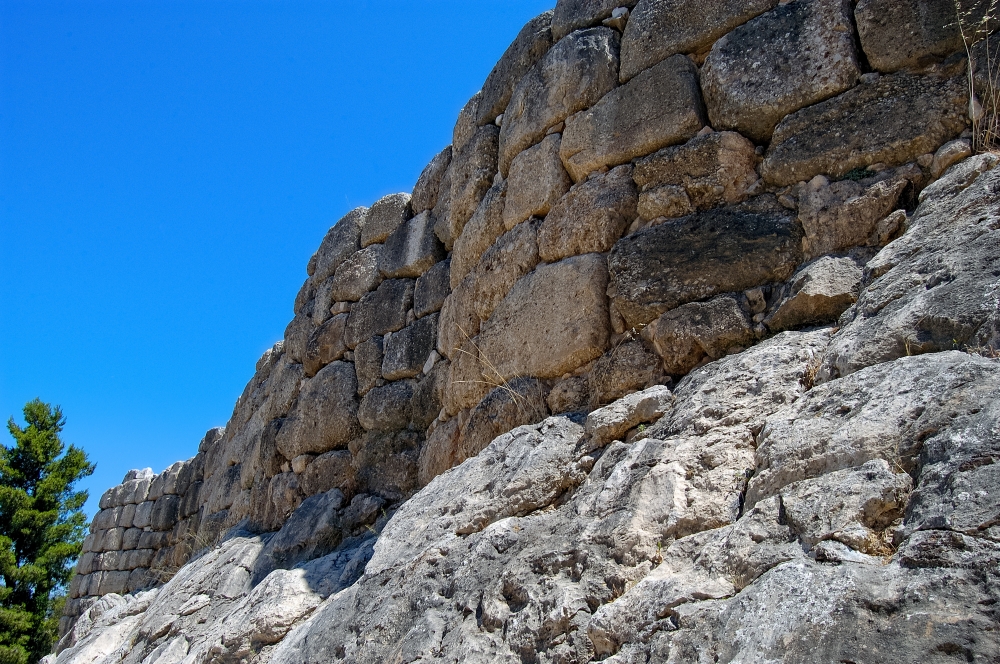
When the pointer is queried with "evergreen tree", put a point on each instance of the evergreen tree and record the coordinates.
(42, 526)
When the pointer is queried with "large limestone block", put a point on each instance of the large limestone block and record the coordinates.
(465, 125)
(342, 240)
(383, 310)
(439, 451)
(531, 43)
(296, 338)
(411, 249)
(553, 320)
(515, 403)
(407, 351)
(817, 293)
(485, 226)
(710, 170)
(513, 255)
(386, 464)
(387, 408)
(325, 345)
(384, 217)
(465, 386)
(428, 397)
(332, 470)
(719, 251)
(688, 335)
(425, 191)
(612, 421)
(325, 416)
(626, 368)
(536, 181)
(368, 363)
(458, 321)
(572, 76)
(573, 15)
(793, 56)
(892, 120)
(472, 170)
(661, 107)
(658, 29)
(356, 276)
(431, 289)
(590, 218)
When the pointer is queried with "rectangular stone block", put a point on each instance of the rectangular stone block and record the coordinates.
(412, 249)
(536, 181)
(431, 289)
(379, 312)
(406, 351)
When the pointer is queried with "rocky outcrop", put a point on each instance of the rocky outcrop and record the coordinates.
(685, 350)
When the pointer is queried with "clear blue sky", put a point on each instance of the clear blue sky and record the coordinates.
(167, 168)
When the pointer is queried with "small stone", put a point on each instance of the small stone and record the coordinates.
(948, 154)
(300, 462)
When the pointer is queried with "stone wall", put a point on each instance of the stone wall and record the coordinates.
(638, 189)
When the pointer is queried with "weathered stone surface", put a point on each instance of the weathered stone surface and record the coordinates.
(386, 463)
(935, 288)
(406, 351)
(431, 289)
(482, 230)
(342, 240)
(949, 154)
(312, 531)
(324, 417)
(357, 275)
(892, 120)
(425, 191)
(442, 211)
(660, 107)
(572, 76)
(536, 181)
(387, 408)
(531, 43)
(412, 249)
(658, 29)
(515, 403)
(465, 125)
(163, 517)
(566, 332)
(332, 470)
(368, 363)
(693, 258)
(572, 15)
(707, 171)
(628, 367)
(458, 320)
(466, 385)
(697, 332)
(325, 345)
(472, 171)
(428, 397)
(611, 422)
(569, 395)
(439, 451)
(791, 57)
(384, 217)
(379, 312)
(590, 218)
(817, 293)
(513, 255)
(296, 338)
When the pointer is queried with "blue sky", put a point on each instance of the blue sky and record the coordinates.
(166, 170)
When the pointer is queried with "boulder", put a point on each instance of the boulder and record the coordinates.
(515, 403)
(626, 368)
(791, 57)
(699, 331)
(658, 29)
(325, 345)
(411, 249)
(472, 171)
(479, 234)
(439, 451)
(817, 293)
(465, 386)
(386, 463)
(533, 334)
(693, 258)
(342, 240)
(949, 154)
(536, 181)
(296, 337)
(659, 108)
(332, 470)
(325, 416)
(407, 351)
(425, 191)
(709, 170)
(442, 211)
(428, 396)
(311, 531)
(465, 125)
(381, 311)
(569, 395)
(458, 320)
(368, 363)
(573, 15)
(431, 289)
(891, 120)
(357, 275)
(611, 422)
(572, 76)
(590, 218)
(530, 44)
(384, 217)
(387, 408)
(513, 255)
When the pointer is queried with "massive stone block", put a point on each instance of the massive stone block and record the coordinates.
(531, 43)
(485, 226)
(342, 240)
(332, 470)
(472, 171)
(387, 408)
(590, 218)
(465, 386)
(407, 351)
(386, 463)
(431, 289)
(517, 402)
(325, 416)
(412, 249)
(661, 107)
(384, 217)
(381, 311)
(817, 293)
(553, 320)
(658, 29)
(572, 76)
(513, 255)
(428, 186)
(458, 321)
(325, 345)
(684, 337)
(891, 120)
(572, 15)
(536, 181)
(368, 363)
(693, 258)
(791, 57)
(357, 275)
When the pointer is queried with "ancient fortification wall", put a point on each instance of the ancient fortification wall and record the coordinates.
(639, 188)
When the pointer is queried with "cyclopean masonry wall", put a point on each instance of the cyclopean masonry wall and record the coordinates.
(637, 191)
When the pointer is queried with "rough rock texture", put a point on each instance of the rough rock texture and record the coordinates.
(536, 181)
(660, 107)
(485, 226)
(686, 336)
(817, 293)
(411, 249)
(513, 255)
(357, 275)
(428, 186)
(323, 417)
(472, 171)
(431, 289)
(380, 311)
(384, 217)
(528, 47)
(572, 15)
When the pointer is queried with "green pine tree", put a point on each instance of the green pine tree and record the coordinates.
(42, 526)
